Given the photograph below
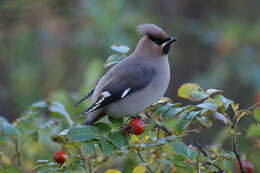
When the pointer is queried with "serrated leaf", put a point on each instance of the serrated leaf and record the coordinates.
(34, 135)
(103, 126)
(42, 161)
(182, 149)
(176, 110)
(88, 147)
(222, 102)
(213, 91)
(113, 171)
(120, 48)
(257, 114)
(40, 104)
(117, 139)
(83, 133)
(204, 121)
(116, 121)
(186, 89)
(7, 128)
(185, 119)
(58, 108)
(139, 169)
(106, 146)
(208, 105)
(162, 108)
(134, 139)
(198, 95)
(9, 168)
(254, 130)
(70, 161)
(220, 117)
(164, 100)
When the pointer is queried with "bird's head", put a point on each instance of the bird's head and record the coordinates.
(155, 41)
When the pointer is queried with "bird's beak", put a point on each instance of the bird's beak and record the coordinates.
(167, 45)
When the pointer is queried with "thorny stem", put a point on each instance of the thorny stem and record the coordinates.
(158, 134)
(142, 159)
(100, 165)
(161, 126)
(17, 153)
(198, 163)
(234, 145)
(87, 163)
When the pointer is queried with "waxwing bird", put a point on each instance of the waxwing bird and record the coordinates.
(135, 83)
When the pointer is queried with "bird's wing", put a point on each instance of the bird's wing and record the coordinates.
(123, 83)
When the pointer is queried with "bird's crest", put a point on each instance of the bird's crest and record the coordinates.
(152, 30)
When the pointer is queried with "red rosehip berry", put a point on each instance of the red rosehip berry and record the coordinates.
(60, 157)
(138, 126)
(257, 99)
(248, 166)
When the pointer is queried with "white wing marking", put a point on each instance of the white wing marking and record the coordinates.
(125, 92)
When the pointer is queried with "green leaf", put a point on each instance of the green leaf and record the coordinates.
(116, 121)
(9, 168)
(220, 117)
(34, 135)
(113, 60)
(205, 121)
(176, 110)
(58, 108)
(182, 149)
(186, 89)
(222, 102)
(254, 130)
(70, 161)
(39, 104)
(89, 147)
(117, 139)
(139, 169)
(120, 48)
(208, 105)
(7, 128)
(106, 146)
(198, 95)
(162, 108)
(185, 119)
(213, 91)
(103, 126)
(257, 114)
(83, 133)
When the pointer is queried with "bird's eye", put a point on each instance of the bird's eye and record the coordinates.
(157, 41)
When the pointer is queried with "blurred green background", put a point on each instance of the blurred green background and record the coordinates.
(55, 47)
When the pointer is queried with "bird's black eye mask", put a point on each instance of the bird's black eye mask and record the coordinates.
(157, 41)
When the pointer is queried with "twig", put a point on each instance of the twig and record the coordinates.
(160, 125)
(142, 159)
(101, 163)
(158, 134)
(216, 166)
(17, 153)
(198, 163)
(87, 164)
(234, 145)
(235, 150)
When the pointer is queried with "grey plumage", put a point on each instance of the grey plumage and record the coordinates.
(136, 82)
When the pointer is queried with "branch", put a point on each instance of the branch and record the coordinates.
(142, 159)
(17, 153)
(234, 145)
(160, 125)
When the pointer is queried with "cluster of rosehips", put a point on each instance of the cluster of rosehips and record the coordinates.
(137, 126)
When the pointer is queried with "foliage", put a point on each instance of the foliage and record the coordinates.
(166, 145)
